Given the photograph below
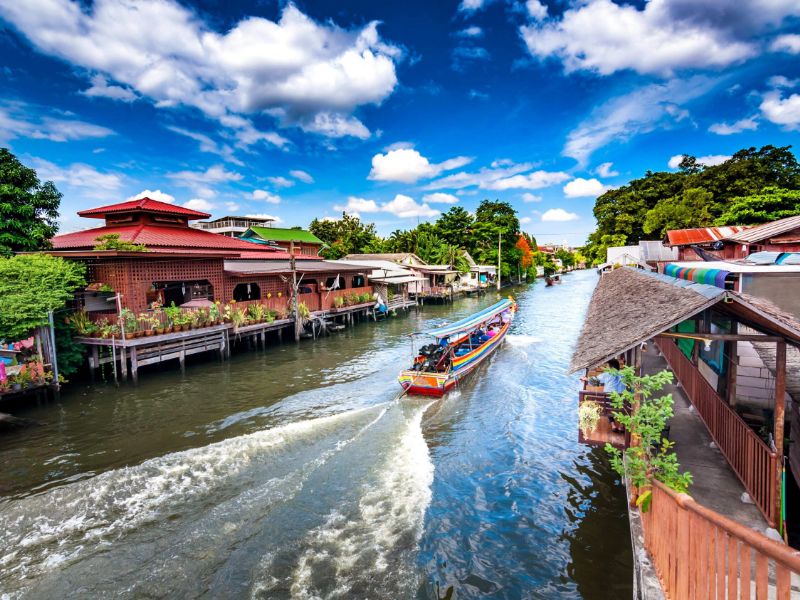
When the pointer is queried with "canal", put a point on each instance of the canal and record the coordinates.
(294, 473)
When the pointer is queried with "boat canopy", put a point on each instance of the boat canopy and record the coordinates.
(470, 323)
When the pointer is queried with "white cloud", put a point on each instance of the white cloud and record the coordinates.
(199, 204)
(301, 176)
(786, 43)
(356, 206)
(470, 5)
(405, 207)
(18, 120)
(709, 161)
(500, 169)
(641, 111)
(305, 73)
(154, 195)
(101, 89)
(528, 197)
(536, 10)
(782, 111)
(606, 170)
(280, 182)
(525, 220)
(440, 198)
(581, 188)
(780, 81)
(202, 181)
(401, 206)
(407, 165)
(662, 37)
(245, 133)
(531, 181)
(746, 124)
(92, 182)
(208, 145)
(265, 196)
(559, 215)
(232, 206)
(471, 32)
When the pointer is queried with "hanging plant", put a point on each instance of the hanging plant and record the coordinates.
(589, 414)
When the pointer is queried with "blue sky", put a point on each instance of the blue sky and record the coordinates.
(391, 110)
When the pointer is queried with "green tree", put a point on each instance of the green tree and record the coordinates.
(30, 286)
(454, 227)
(690, 209)
(347, 235)
(771, 204)
(566, 257)
(28, 208)
(646, 207)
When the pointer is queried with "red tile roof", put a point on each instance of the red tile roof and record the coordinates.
(701, 235)
(143, 205)
(167, 237)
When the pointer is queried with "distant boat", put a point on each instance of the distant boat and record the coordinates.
(460, 347)
(552, 279)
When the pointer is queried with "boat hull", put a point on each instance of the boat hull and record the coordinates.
(420, 383)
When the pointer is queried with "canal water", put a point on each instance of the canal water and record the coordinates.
(296, 473)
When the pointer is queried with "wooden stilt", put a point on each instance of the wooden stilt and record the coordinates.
(134, 366)
(123, 363)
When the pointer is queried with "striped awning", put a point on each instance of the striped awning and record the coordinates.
(470, 323)
(715, 277)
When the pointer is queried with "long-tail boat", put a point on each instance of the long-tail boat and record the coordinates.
(460, 347)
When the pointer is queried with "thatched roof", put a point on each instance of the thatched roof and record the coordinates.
(630, 306)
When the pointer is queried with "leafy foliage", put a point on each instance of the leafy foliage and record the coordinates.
(28, 208)
(70, 354)
(111, 241)
(771, 204)
(30, 286)
(344, 236)
(653, 456)
(695, 196)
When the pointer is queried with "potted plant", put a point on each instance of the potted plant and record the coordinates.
(173, 312)
(129, 323)
(589, 413)
(338, 302)
(238, 318)
(14, 383)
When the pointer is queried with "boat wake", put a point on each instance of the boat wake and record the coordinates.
(233, 513)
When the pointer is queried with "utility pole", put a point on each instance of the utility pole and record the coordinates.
(499, 250)
(293, 266)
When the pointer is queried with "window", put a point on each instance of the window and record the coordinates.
(333, 283)
(358, 281)
(246, 291)
(179, 292)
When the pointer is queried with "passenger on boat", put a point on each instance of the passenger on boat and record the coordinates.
(492, 332)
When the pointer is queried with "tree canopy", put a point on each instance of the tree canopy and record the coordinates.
(695, 196)
(769, 205)
(344, 236)
(30, 286)
(28, 208)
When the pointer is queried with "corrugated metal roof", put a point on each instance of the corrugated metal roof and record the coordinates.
(143, 205)
(656, 251)
(759, 233)
(701, 235)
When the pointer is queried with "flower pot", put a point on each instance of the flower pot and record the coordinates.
(16, 387)
(148, 332)
(160, 330)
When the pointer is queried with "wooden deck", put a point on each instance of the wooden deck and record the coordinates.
(126, 356)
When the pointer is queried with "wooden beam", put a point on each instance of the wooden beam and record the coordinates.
(724, 337)
(780, 407)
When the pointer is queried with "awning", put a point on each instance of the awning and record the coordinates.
(397, 280)
(715, 277)
(470, 323)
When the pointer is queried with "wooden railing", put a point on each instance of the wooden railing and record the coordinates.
(750, 458)
(698, 553)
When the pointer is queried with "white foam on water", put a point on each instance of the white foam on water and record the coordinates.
(362, 548)
(522, 340)
(52, 528)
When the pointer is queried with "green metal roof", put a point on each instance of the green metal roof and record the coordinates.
(279, 234)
